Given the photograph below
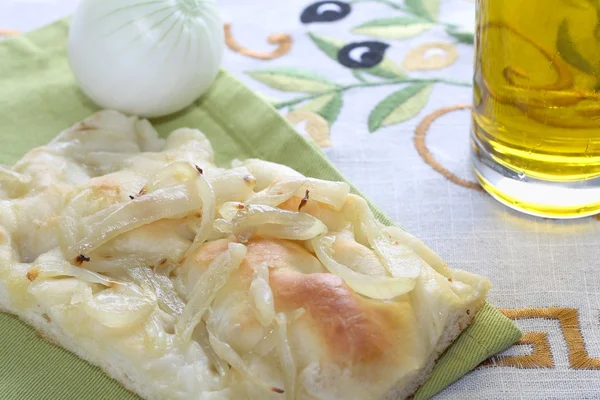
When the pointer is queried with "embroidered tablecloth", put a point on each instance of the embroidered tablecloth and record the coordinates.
(383, 87)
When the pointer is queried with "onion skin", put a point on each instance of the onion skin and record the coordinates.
(145, 58)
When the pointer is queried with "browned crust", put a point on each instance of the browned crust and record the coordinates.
(354, 329)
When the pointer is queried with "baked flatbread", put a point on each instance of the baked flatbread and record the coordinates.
(184, 280)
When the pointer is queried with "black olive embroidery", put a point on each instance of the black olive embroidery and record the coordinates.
(325, 11)
(362, 54)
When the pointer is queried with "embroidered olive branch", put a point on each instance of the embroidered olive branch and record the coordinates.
(341, 89)
(386, 2)
(324, 97)
(416, 13)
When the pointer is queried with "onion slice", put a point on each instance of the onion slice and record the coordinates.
(375, 287)
(399, 259)
(202, 337)
(122, 306)
(168, 300)
(171, 175)
(244, 221)
(52, 265)
(182, 171)
(70, 228)
(286, 359)
(229, 355)
(115, 265)
(428, 255)
(262, 295)
(108, 223)
(206, 288)
(206, 193)
(266, 172)
(327, 192)
(175, 191)
(119, 305)
(236, 184)
(278, 192)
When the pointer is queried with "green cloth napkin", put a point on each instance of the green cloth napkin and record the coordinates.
(39, 98)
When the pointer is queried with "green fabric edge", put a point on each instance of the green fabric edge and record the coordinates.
(490, 333)
(42, 52)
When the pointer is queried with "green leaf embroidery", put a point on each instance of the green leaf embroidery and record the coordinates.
(386, 69)
(327, 106)
(428, 9)
(465, 37)
(394, 28)
(331, 46)
(400, 106)
(567, 50)
(293, 80)
(358, 75)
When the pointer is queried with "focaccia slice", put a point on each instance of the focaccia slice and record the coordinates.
(184, 280)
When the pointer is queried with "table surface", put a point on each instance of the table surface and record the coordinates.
(546, 274)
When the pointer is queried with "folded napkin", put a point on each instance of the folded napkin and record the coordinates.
(39, 98)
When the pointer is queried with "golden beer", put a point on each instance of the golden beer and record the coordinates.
(536, 114)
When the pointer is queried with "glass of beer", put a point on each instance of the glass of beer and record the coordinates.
(536, 112)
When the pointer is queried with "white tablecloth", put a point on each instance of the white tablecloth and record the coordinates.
(548, 270)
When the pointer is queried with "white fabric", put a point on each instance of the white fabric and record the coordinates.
(531, 262)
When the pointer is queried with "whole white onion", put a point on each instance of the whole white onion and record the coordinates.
(145, 57)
